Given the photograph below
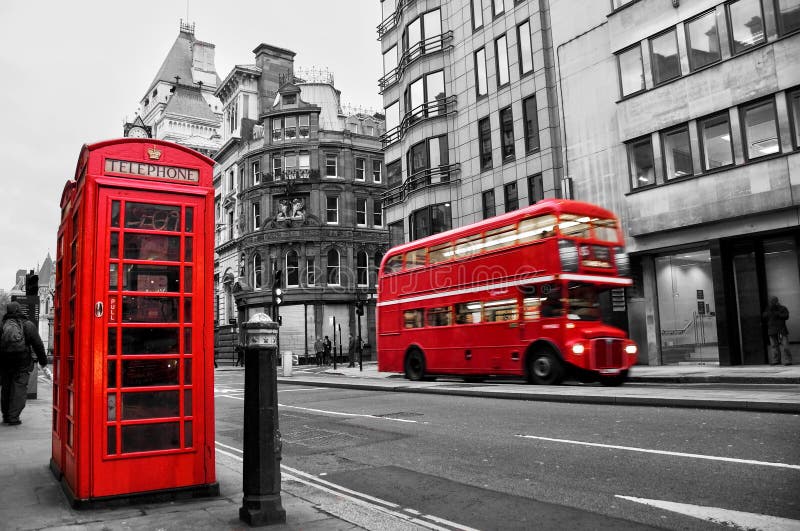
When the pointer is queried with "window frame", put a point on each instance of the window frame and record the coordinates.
(311, 272)
(780, 21)
(729, 24)
(619, 54)
(485, 157)
(256, 168)
(328, 158)
(632, 175)
(377, 175)
(333, 268)
(362, 171)
(258, 271)
(256, 210)
(481, 73)
(674, 31)
(331, 212)
(535, 181)
(377, 213)
(521, 54)
(702, 141)
(743, 124)
(507, 150)
(488, 207)
(530, 134)
(361, 211)
(510, 199)
(362, 269)
(687, 36)
(793, 106)
(663, 138)
(502, 69)
(473, 11)
(292, 270)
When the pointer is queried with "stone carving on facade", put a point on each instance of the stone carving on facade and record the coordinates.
(291, 213)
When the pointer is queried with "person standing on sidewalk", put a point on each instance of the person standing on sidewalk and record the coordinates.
(318, 351)
(776, 315)
(19, 336)
(351, 351)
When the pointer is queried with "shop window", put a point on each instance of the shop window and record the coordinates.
(507, 134)
(333, 276)
(525, 48)
(631, 71)
(788, 13)
(511, 197)
(640, 160)
(362, 268)
(531, 120)
(677, 153)
(485, 143)
(481, 83)
(759, 123)
(664, 57)
(501, 57)
(488, 204)
(715, 139)
(702, 41)
(746, 24)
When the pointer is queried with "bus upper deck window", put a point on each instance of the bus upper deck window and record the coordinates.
(393, 264)
(440, 253)
(605, 230)
(468, 246)
(415, 258)
(501, 237)
(536, 228)
(571, 225)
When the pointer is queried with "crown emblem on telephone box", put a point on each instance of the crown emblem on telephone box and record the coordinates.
(154, 153)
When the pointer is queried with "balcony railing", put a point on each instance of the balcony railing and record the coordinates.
(429, 109)
(419, 181)
(420, 49)
(391, 21)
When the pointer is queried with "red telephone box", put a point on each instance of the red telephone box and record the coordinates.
(133, 390)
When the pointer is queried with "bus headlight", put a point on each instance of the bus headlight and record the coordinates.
(578, 348)
(631, 349)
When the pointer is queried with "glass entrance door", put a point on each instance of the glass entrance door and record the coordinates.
(150, 314)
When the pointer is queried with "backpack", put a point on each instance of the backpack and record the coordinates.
(13, 338)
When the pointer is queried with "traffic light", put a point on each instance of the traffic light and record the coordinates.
(31, 284)
(359, 308)
(277, 292)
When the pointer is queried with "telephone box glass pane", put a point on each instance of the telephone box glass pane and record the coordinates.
(112, 407)
(150, 340)
(187, 371)
(112, 374)
(187, 255)
(187, 435)
(152, 217)
(152, 247)
(187, 279)
(112, 341)
(114, 248)
(115, 213)
(112, 277)
(187, 403)
(187, 341)
(144, 373)
(187, 310)
(189, 219)
(112, 440)
(152, 404)
(141, 277)
(149, 437)
(150, 309)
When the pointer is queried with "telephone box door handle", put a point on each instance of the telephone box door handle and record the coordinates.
(98, 309)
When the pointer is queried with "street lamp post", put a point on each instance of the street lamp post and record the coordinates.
(359, 313)
(261, 472)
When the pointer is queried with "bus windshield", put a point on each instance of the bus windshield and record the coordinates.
(583, 302)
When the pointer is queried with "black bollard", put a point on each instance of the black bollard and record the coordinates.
(261, 473)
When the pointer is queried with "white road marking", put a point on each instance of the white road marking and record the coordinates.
(726, 517)
(360, 498)
(666, 452)
(328, 412)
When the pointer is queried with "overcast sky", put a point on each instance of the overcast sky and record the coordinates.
(71, 72)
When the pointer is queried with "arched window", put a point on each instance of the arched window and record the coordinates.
(292, 269)
(333, 267)
(256, 271)
(362, 278)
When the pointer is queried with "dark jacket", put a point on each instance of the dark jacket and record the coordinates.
(776, 316)
(32, 338)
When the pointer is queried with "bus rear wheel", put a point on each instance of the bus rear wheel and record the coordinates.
(544, 368)
(415, 365)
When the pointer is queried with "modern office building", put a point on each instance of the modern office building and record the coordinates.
(299, 184)
(472, 125)
(683, 117)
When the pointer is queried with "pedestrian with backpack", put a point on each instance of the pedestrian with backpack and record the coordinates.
(18, 336)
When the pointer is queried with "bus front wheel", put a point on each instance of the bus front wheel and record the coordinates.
(415, 365)
(544, 368)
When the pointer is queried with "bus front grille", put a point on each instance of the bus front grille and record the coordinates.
(608, 353)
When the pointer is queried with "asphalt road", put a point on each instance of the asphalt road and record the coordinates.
(505, 464)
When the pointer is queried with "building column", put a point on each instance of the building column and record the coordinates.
(652, 317)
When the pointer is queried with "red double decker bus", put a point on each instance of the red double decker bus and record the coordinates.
(521, 294)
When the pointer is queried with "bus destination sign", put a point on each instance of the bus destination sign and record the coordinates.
(142, 169)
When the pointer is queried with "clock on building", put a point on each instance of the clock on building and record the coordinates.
(137, 129)
(137, 132)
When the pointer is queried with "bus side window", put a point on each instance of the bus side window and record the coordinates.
(532, 229)
(531, 308)
(412, 318)
(502, 310)
(415, 258)
(393, 264)
(468, 246)
(441, 316)
(440, 253)
(468, 312)
(502, 237)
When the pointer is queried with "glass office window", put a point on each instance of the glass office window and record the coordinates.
(507, 134)
(488, 204)
(664, 57)
(481, 84)
(525, 48)
(746, 24)
(794, 110)
(677, 153)
(485, 143)
(788, 12)
(501, 53)
(531, 122)
(631, 72)
(715, 136)
(702, 40)
(760, 129)
(640, 158)
(477, 13)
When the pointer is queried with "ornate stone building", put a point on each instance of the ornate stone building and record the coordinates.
(299, 191)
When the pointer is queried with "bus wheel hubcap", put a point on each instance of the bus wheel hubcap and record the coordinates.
(541, 367)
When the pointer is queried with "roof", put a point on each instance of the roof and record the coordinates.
(178, 61)
(188, 101)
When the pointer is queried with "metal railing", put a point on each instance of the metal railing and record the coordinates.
(391, 21)
(430, 109)
(419, 181)
(418, 50)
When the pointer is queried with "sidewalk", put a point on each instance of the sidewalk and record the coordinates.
(31, 498)
(755, 387)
